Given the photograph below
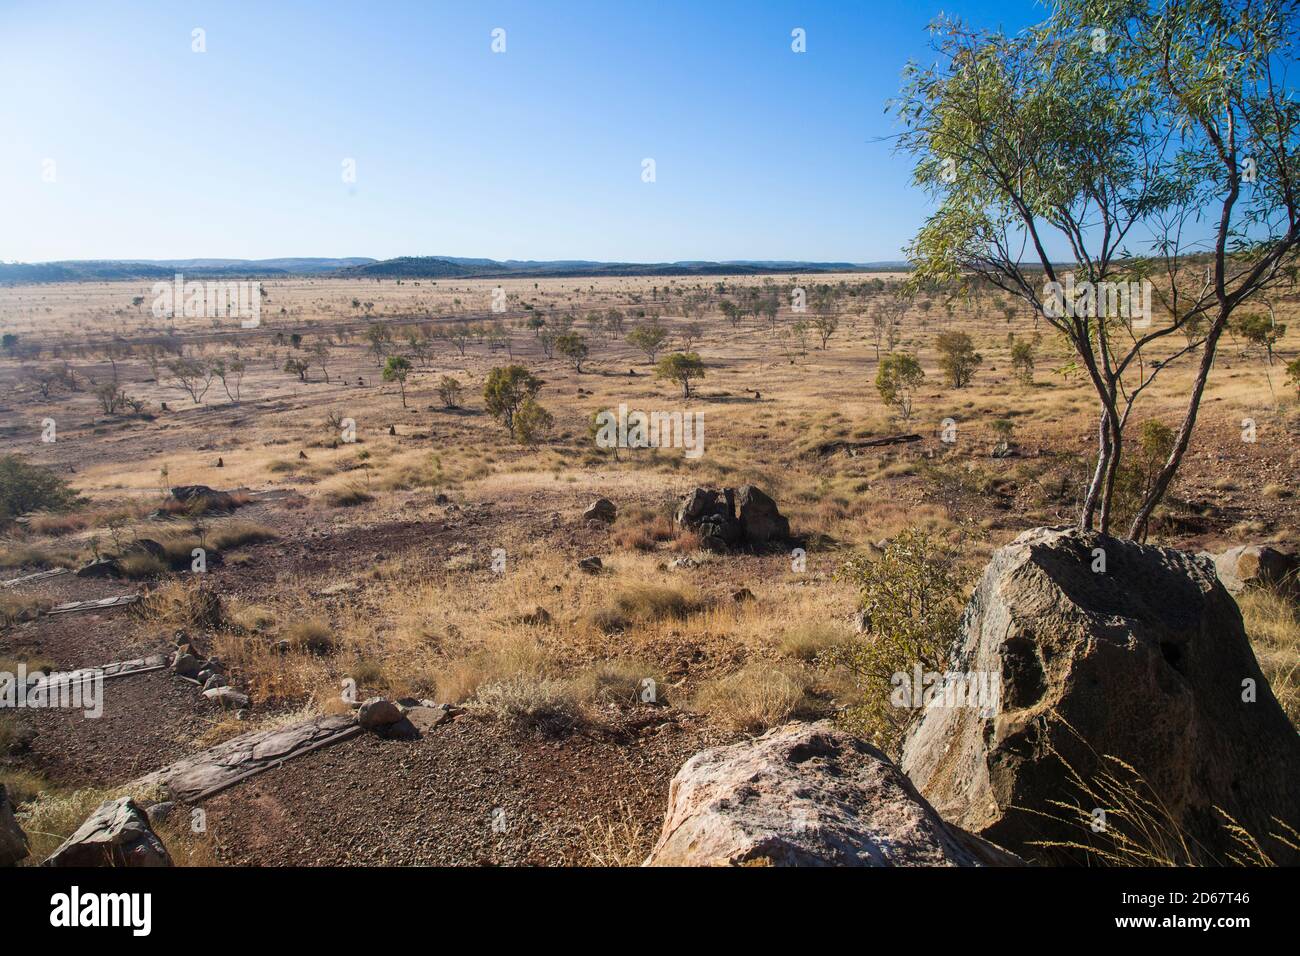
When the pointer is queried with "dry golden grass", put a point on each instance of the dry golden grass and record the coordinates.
(758, 697)
(1273, 624)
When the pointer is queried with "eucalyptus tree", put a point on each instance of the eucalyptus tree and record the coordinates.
(1154, 141)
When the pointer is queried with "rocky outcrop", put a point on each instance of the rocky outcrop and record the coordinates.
(713, 515)
(602, 509)
(1257, 565)
(13, 842)
(1108, 649)
(116, 834)
(806, 795)
(204, 498)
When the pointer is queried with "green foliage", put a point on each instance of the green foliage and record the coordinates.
(25, 488)
(506, 390)
(573, 347)
(911, 605)
(532, 422)
(649, 337)
(1022, 359)
(680, 368)
(897, 378)
(1141, 464)
(1293, 374)
(957, 357)
(450, 391)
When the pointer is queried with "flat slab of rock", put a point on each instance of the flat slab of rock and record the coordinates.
(116, 834)
(38, 576)
(73, 607)
(1145, 661)
(249, 753)
(806, 794)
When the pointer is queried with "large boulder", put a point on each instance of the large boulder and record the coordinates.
(712, 515)
(116, 834)
(760, 520)
(1108, 650)
(806, 795)
(13, 842)
(1257, 565)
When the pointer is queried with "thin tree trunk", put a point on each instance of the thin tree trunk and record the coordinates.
(1166, 475)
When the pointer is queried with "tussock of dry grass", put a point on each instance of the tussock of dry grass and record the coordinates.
(757, 697)
(646, 603)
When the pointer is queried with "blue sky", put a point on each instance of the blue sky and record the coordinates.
(237, 152)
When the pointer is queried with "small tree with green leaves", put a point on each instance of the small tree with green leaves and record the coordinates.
(450, 391)
(957, 357)
(532, 422)
(681, 368)
(505, 392)
(897, 379)
(1022, 359)
(396, 369)
(573, 347)
(649, 337)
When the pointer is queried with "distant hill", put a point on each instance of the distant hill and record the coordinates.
(94, 270)
(403, 267)
(440, 267)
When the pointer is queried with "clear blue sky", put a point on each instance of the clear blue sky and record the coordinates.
(160, 152)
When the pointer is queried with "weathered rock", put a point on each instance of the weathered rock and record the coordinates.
(207, 498)
(712, 515)
(591, 565)
(683, 563)
(741, 595)
(214, 681)
(100, 568)
(378, 712)
(760, 520)
(227, 697)
(186, 664)
(1257, 565)
(806, 795)
(602, 509)
(1146, 661)
(13, 841)
(147, 546)
(218, 766)
(116, 834)
(159, 812)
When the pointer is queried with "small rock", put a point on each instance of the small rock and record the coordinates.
(186, 665)
(591, 565)
(213, 681)
(378, 712)
(743, 595)
(99, 568)
(227, 697)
